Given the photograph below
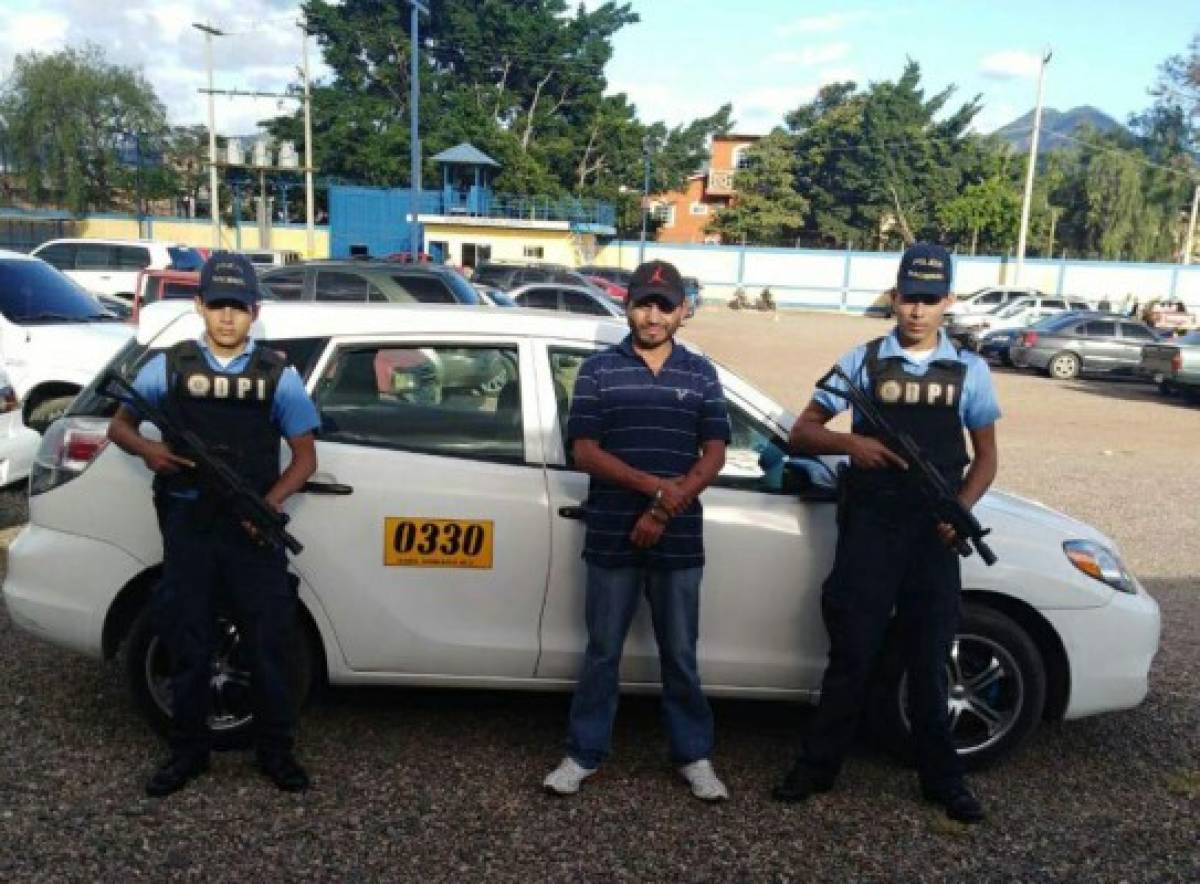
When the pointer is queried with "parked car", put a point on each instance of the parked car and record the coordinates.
(970, 329)
(494, 296)
(1169, 316)
(1174, 365)
(1072, 344)
(17, 441)
(111, 266)
(618, 275)
(994, 346)
(617, 293)
(442, 544)
(985, 300)
(368, 280)
(508, 277)
(264, 258)
(158, 285)
(54, 337)
(566, 299)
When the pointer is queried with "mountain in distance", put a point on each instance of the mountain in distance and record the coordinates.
(1020, 131)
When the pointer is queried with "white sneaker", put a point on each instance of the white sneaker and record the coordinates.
(703, 780)
(567, 777)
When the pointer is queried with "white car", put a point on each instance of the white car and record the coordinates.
(54, 338)
(442, 542)
(17, 442)
(986, 300)
(1023, 312)
(111, 266)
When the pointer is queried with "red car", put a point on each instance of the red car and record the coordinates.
(159, 285)
(617, 292)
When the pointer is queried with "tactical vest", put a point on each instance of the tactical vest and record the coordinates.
(926, 407)
(231, 413)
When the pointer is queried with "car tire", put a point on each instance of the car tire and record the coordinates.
(231, 722)
(1063, 366)
(997, 691)
(47, 412)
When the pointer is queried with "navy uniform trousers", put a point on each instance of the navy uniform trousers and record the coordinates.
(889, 558)
(204, 554)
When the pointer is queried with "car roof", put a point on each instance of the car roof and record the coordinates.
(177, 320)
(372, 265)
(17, 256)
(117, 241)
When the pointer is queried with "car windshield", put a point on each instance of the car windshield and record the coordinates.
(183, 258)
(1008, 311)
(34, 292)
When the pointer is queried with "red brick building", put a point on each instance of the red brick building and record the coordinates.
(686, 213)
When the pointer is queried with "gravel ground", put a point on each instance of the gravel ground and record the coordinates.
(436, 785)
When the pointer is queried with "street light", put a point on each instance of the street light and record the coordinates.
(1033, 146)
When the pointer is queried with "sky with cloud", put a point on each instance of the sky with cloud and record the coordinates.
(686, 57)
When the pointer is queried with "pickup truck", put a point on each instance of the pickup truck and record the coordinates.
(1174, 365)
(1169, 316)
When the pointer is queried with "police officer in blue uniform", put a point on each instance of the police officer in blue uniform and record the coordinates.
(241, 399)
(891, 554)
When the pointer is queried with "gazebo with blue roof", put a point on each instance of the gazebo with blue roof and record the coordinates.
(465, 186)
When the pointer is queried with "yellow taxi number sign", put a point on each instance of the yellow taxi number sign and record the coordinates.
(437, 543)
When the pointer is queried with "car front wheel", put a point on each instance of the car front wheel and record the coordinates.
(997, 691)
(1064, 367)
(231, 714)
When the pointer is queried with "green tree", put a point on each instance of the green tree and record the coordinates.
(986, 214)
(65, 114)
(767, 209)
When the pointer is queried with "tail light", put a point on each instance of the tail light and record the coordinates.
(1029, 339)
(1177, 362)
(70, 446)
(8, 399)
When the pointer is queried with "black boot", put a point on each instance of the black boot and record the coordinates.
(960, 804)
(282, 769)
(801, 782)
(175, 773)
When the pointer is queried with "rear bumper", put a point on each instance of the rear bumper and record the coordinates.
(1109, 650)
(60, 587)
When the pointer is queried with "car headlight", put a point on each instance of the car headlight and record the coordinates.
(1100, 563)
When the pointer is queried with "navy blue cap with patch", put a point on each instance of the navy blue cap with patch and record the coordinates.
(228, 276)
(925, 269)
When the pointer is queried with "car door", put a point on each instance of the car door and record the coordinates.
(426, 529)
(1133, 338)
(767, 553)
(286, 285)
(94, 268)
(1098, 345)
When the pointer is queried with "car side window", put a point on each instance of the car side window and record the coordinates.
(564, 368)
(1099, 329)
(443, 400)
(60, 255)
(286, 285)
(1054, 304)
(541, 298)
(991, 298)
(425, 289)
(577, 302)
(755, 458)
(338, 285)
(131, 257)
(93, 256)
(1137, 332)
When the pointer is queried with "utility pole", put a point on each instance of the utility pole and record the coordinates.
(414, 190)
(309, 205)
(1191, 233)
(214, 202)
(1029, 172)
(645, 199)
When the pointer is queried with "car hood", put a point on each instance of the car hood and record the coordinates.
(86, 346)
(1014, 508)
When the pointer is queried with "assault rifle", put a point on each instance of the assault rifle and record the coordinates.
(942, 500)
(246, 503)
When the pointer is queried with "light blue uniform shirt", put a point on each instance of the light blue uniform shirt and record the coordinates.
(292, 411)
(977, 406)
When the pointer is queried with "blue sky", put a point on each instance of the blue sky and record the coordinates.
(686, 57)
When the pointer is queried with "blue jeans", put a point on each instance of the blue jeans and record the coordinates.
(612, 600)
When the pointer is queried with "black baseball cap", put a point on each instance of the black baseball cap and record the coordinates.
(925, 269)
(228, 276)
(656, 279)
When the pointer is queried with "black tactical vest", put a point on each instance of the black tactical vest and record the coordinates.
(231, 413)
(926, 407)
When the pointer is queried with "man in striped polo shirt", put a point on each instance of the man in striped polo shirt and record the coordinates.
(648, 424)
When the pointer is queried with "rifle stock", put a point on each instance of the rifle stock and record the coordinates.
(942, 499)
(247, 504)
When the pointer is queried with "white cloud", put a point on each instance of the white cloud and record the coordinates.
(813, 24)
(810, 55)
(261, 51)
(995, 115)
(1011, 64)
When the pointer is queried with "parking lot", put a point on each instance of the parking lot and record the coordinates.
(433, 785)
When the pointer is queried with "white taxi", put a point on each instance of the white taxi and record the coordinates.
(442, 539)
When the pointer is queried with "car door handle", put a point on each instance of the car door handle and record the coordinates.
(327, 488)
(572, 512)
